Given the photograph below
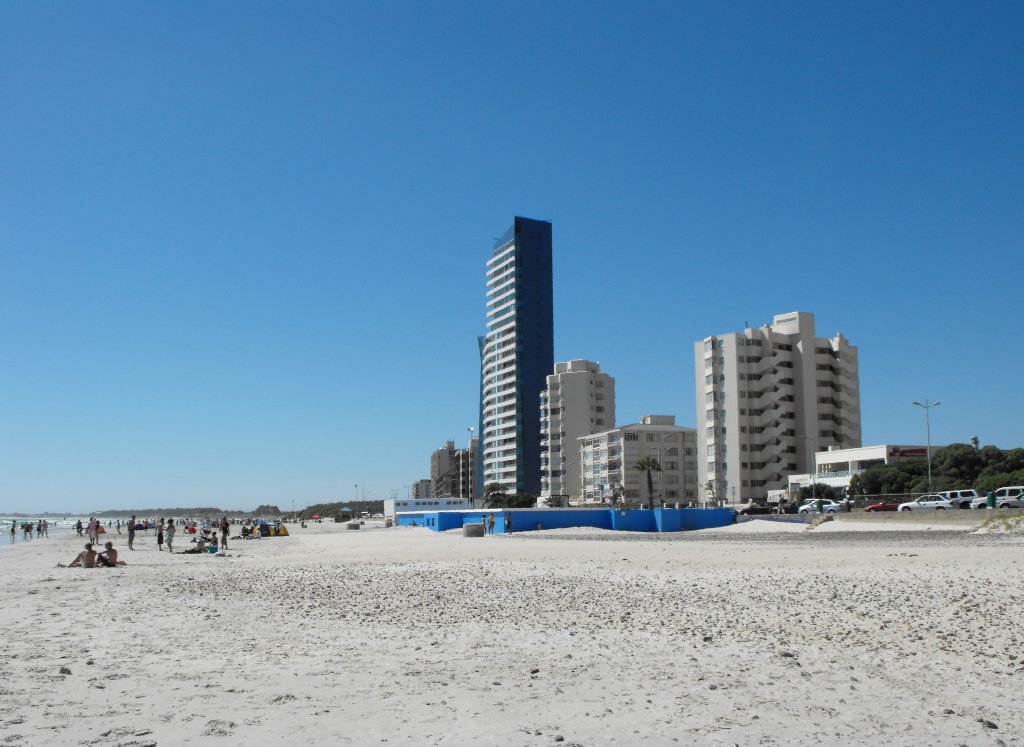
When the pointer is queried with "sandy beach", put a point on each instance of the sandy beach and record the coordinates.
(756, 634)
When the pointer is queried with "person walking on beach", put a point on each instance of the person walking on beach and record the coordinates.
(224, 532)
(131, 533)
(508, 522)
(28, 531)
(160, 536)
(45, 526)
(14, 529)
(119, 526)
(171, 529)
(490, 524)
(78, 527)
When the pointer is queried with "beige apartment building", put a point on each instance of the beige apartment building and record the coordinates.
(452, 471)
(579, 400)
(768, 398)
(607, 460)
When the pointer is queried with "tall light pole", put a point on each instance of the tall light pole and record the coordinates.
(927, 406)
(469, 453)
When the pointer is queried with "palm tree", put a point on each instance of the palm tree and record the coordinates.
(618, 494)
(648, 464)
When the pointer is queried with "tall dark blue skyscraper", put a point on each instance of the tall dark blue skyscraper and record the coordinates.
(516, 355)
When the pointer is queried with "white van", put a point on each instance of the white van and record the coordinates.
(960, 498)
(1011, 497)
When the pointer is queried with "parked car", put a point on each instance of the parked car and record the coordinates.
(930, 502)
(810, 506)
(752, 509)
(960, 498)
(883, 506)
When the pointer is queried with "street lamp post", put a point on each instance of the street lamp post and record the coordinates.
(469, 454)
(927, 406)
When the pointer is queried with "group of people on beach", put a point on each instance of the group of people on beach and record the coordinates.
(41, 528)
(89, 558)
(488, 522)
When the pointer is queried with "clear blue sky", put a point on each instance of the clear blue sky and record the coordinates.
(242, 244)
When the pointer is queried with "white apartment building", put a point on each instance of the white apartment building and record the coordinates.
(767, 399)
(579, 400)
(607, 461)
(395, 506)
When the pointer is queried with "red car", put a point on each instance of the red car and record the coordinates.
(884, 506)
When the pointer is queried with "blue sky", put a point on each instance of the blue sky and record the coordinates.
(242, 244)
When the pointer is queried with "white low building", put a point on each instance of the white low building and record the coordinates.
(837, 467)
(394, 506)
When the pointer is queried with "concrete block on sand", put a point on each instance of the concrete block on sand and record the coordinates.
(472, 530)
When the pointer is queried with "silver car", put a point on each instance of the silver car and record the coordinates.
(927, 503)
(827, 507)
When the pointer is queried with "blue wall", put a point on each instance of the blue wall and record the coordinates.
(636, 520)
(707, 518)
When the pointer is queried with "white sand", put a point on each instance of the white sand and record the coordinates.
(760, 526)
(408, 637)
(888, 526)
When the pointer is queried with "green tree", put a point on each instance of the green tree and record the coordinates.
(518, 500)
(648, 464)
(956, 466)
(493, 492)
(819, 490)
(999, 480)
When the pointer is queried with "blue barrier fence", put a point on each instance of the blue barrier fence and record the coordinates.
(524, 520)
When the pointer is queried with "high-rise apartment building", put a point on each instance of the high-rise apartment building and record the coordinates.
(422, 489)
(579, 400)
(516, 355)
(451, 471)
(767, 399)
(608, 461)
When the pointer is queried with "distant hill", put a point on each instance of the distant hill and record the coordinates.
(188, 511)
(330, 510)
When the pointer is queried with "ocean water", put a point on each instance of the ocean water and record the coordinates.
(58, 526)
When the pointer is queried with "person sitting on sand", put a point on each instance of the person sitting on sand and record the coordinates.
(200, 547)
(109, 559)
(86, 559)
